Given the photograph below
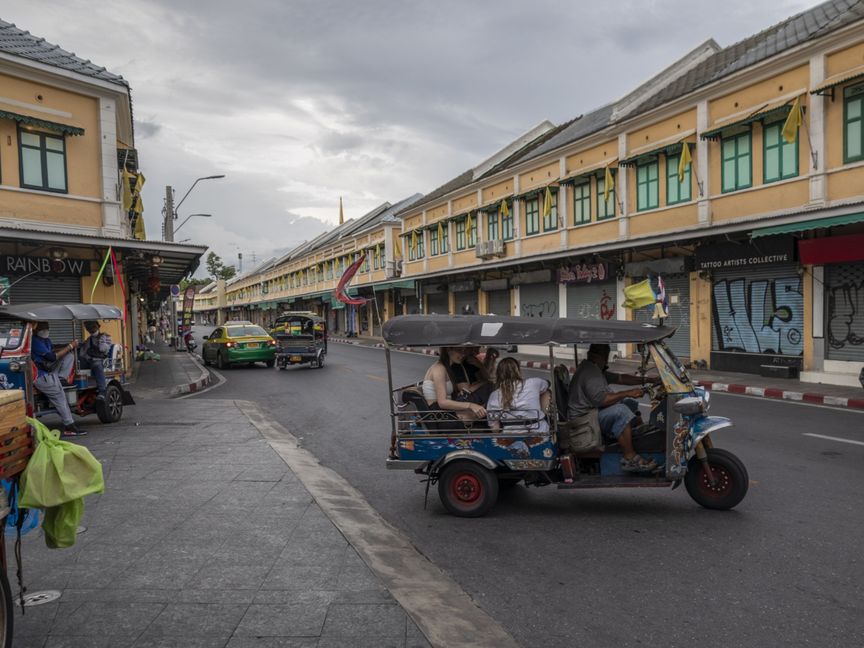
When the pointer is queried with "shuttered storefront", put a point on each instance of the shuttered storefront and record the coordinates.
(466, 302)
(678, 295)
(499, 302)
(758, 312)
(595, 300)
(438, 303)
(52, 290)
(539, 300)
(412, 305)
(844, 312)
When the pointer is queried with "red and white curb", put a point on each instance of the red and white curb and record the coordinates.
(782, 394)
(745, 390)
(198, 384)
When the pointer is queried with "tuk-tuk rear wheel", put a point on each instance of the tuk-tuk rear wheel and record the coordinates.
(467, 489)
(731, 480)
(7, 620)
(110, 408)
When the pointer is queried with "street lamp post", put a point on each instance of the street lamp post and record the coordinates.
(171, 210)
(177, 229)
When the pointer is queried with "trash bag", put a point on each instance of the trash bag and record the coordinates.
(58, 472)
(61, 524)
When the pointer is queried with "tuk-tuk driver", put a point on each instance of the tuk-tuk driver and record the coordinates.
(53, 366)
(92, 354)
(589, 389)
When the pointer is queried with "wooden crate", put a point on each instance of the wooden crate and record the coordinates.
(16, 437)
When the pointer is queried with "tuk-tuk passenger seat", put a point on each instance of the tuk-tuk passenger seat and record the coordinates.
(428, 419)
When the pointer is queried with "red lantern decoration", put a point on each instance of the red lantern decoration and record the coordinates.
(153, 285)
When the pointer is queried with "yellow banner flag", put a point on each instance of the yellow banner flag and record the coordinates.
(440, 231)
(684, 161)
(469, 222)
(608, 184)
(139, 183)
(639, 295)
(397, 247)
(793, 122)
(547, 203)
(139, 233)
(414, 240)
(127, 191)
(504, 209)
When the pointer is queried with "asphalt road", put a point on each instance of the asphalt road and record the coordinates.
(616, 567)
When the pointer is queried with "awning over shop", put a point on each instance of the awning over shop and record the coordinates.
(669, 149)
(806, 226)
(170, 262)
(832, 249)
(27, 120)
(770, 111)
(398, 283)
(828, 85)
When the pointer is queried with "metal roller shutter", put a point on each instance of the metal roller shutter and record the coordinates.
(758, 310)
(539, 300)
(52, 290)
(592, 301)
(499, 302)
(438, 303)
(844, 312)
(678, 295)
(412, 305)
(465, 299)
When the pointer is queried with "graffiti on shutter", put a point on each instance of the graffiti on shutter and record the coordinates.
(845, 312)
(759, 313)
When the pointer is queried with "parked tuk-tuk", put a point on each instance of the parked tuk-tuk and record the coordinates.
(470, 463)
(17, 370)
(301, 337)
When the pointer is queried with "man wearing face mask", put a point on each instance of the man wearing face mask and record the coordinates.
(51, 365)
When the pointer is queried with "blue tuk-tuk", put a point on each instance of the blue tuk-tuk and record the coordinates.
(471, 462)
(17, 370)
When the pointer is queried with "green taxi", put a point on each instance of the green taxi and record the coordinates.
(238, 342)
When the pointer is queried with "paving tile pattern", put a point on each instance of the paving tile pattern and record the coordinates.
(203, 539)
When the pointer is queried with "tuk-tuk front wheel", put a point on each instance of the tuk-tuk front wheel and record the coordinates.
(730, 484)
(467, 489)
(110, 408)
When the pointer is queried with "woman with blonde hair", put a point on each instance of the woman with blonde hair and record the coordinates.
(524, 399)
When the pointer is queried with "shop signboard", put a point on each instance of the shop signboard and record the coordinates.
(188, 302)
(20, 264)
(585, 273)
(774, 250)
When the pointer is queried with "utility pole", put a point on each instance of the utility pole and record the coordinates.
(168, 234)
(239, 263)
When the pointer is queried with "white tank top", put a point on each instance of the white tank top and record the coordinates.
(429, 390)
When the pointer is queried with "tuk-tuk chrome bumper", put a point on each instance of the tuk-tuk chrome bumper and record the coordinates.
(405, 464)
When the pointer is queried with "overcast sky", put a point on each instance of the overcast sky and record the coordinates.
(299, 102)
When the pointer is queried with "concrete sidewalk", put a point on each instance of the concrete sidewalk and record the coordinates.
(720, 381)
(175, 373)
(217, 530)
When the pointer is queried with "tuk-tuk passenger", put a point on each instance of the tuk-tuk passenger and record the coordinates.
(519, 398)
(589, 389)
(91, 355)
(53, 366)
(472, 376)
(438, 387)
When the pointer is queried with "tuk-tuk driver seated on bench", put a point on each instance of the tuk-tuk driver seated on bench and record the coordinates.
(589, 389)
(52, 369)
(92, 355)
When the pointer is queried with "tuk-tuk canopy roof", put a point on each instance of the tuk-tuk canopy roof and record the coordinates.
(482, 330)
(292, 315)
(38, 312)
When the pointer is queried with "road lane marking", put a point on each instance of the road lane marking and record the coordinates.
(443, 611)
(382, 378)
(830, 438)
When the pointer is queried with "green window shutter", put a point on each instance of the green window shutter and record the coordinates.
(532, 216)
(853, 134)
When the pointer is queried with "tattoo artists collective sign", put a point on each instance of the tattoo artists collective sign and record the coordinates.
(17, 265)
(774, 250)
(584, 273)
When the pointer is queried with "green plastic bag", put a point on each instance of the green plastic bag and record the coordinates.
(61, 524)
(58, 472)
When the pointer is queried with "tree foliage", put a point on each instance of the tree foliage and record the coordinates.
(217, 269)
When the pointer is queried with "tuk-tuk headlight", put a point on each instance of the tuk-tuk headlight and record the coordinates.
(15, 366)
(689, 406)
